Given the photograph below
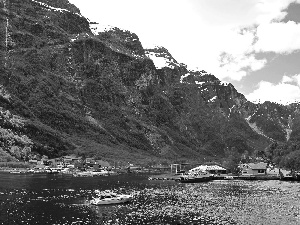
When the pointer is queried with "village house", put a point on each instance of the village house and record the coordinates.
(254, 169)
(179, 167)
(56, 163)
(71, 159)
(213, 169)
(103, 164)
(96, 165)
(90, 160)
(35, 162)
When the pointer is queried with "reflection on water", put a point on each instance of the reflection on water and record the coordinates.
(57, 199)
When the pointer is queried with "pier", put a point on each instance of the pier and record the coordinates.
(176, 177)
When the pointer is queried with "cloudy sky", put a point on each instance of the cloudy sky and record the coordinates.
(254, 44)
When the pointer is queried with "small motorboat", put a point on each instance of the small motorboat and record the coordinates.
(106, 198)
(52, 171)
(15, 171)
(30, 171)
(290, 177)
(228, 177)
(198, 177)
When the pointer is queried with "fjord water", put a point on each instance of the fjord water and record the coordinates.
(61, 199)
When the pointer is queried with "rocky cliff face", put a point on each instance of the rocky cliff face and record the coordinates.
(66, 89)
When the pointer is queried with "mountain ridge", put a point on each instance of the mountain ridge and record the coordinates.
(65, 89)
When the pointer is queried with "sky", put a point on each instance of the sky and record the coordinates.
(253, 44)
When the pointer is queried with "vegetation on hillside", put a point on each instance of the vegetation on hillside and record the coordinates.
(66, 90)
(285, 155)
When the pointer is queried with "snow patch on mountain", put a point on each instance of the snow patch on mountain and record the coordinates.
(230, 110)
(97, 28)
(288, 133)
(198, 82)
(184, 76)
(161, 58)
(255, 128)
(223, 83)
(48, 7)
(212, 99)
(160, 61)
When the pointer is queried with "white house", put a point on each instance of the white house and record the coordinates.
(255, 169)
(213, 169)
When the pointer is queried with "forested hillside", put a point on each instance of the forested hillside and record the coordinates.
(66, 89)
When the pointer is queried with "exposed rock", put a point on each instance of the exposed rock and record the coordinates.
(100, 94)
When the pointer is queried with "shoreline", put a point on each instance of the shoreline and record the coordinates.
(175, 177)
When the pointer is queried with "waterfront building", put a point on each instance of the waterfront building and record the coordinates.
(213, 169)
(71, 159)
(255, 169)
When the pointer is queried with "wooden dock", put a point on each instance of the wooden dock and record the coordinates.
(165, 177)
(177, 177)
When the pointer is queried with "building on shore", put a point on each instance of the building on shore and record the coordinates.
(96, 164)
(179, 167)
(254, 169)
(213, 169)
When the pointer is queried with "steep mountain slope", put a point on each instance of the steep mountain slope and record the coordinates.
(65, 89)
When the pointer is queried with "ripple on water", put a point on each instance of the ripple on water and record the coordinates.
(220, 202)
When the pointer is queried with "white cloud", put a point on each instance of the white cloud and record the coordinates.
(238, 59)
(296, 78)
(256, 64)
(195, 32)
(287, 79)
(270, 10)
(278, 37)
(228, 40)
(237, 66)
(232, 13)
(217, 36)
(241, 44)
(285, 92)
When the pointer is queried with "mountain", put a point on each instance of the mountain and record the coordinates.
(66, 88)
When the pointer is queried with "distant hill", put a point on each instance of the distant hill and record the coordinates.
(65, 89)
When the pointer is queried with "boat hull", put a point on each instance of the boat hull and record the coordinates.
(108, 201)
(195, 179)
(95, 202)
(290, 178)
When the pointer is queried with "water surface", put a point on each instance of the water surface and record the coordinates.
(63, 199)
